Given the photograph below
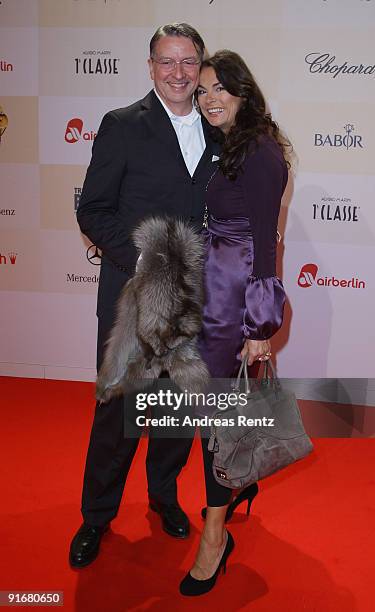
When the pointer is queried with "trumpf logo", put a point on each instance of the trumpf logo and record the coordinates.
(308, 277)
(74, 133)
(346, 141)
(77, 197)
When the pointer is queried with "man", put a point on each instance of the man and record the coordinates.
(151, 158)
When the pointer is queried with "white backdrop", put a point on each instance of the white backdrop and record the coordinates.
(314, 60)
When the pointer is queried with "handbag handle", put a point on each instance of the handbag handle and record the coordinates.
(243, 368)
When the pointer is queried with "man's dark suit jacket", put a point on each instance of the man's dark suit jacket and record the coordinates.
(137, 170)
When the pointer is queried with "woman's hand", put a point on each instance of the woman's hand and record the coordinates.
(256, 349)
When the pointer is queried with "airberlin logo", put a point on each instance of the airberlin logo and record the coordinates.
(5, 66)
(340, 141)
(8, 259)
(74, 132)
(309, 277)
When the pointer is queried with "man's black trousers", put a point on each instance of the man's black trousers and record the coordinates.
(111, 453)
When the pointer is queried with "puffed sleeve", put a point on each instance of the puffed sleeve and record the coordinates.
(265, 299)
(264, 179)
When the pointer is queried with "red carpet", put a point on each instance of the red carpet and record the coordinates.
(308, 545)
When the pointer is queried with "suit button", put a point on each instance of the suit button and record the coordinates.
(193, 181)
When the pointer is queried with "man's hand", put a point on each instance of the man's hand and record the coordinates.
(256, 349)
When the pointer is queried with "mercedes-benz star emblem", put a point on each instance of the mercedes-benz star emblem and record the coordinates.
(93, 255)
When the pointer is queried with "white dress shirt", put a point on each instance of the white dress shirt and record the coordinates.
(189, 133)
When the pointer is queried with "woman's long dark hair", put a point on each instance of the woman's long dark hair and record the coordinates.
(251, 122)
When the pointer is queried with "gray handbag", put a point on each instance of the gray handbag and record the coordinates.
(267, 434)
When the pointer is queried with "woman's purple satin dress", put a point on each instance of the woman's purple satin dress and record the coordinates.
(244, 298)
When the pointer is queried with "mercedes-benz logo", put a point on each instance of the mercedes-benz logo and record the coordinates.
(93, 255)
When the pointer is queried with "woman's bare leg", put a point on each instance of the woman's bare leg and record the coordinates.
(212, 544)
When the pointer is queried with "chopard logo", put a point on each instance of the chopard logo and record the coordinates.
(104, 1)
(325, 63)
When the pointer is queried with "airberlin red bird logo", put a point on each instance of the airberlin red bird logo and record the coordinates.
(74, 131)
(308, 277)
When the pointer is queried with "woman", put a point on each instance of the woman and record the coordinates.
(244, 298)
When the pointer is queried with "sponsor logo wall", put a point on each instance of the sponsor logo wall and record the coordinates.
(65, 63)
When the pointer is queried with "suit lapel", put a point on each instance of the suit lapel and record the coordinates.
(207, 153)
(161, 126)
(211, 149)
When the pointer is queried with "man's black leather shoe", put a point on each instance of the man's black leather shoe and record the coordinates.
(85, 545)
(174, 520)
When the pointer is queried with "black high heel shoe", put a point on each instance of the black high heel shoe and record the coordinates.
(191, 586)
(248, 493)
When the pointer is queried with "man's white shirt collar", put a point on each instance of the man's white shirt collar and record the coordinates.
(185, 119)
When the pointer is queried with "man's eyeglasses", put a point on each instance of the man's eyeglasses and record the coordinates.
(170, 64)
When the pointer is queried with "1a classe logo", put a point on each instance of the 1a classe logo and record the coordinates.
(74, 132)
(97, 63)
(9, 259)
(335, 209)
(308, 277)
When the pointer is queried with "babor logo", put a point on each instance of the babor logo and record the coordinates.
(346, 141)
(74, 131)
(8, 259)
(308, 277)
